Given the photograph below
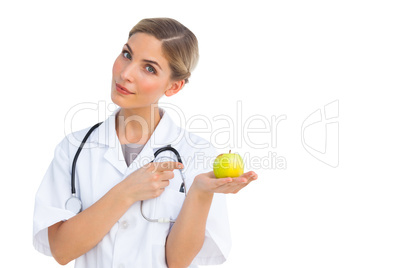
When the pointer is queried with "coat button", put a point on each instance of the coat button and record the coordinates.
(124, 224)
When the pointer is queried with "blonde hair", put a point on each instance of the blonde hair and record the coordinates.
(179, 44)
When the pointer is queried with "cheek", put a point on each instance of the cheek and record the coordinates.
(116, 67)
(149, 85)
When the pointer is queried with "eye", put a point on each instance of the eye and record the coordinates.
(126, 54)
(150, 69)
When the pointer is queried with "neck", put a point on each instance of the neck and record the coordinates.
(136, 125)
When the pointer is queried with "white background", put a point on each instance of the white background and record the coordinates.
(276, 57)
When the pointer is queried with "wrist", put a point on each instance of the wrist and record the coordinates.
(123, 192)
(200, 193)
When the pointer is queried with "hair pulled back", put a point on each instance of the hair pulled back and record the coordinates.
(179, 44)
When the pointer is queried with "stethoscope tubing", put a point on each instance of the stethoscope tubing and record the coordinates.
(183, 187)
(73, 192)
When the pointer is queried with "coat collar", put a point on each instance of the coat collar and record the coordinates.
(165, 133)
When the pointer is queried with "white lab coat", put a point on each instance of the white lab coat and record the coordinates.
(132, 241)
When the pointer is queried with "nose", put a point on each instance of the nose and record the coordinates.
(128, 72)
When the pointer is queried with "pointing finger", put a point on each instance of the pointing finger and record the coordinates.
(168, 166)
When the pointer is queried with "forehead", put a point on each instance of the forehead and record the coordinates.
(147, 47)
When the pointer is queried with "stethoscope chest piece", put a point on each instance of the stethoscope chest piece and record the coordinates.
(74, 204)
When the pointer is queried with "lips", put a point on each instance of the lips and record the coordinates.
(123, 90)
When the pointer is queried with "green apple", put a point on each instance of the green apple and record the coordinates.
(228, 165)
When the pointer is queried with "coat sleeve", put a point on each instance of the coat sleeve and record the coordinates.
(217, 243)
(51, 196)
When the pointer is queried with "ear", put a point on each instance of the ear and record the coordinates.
(175, 87)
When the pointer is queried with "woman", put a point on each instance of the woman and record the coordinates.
(116, 192)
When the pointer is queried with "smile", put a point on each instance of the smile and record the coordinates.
(123, 90)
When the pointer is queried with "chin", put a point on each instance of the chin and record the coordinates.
(118, 100)
(114, 97)
(122, 102)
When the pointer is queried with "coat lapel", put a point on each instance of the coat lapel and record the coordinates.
(166, 132)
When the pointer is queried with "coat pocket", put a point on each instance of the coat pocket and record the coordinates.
(169, 204)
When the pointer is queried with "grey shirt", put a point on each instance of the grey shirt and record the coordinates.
(131, 151)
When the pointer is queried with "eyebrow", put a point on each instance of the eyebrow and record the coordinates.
(149, 61)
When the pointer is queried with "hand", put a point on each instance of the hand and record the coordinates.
(207, 182)
(150, 180)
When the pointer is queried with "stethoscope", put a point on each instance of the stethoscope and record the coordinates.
(74, 204)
